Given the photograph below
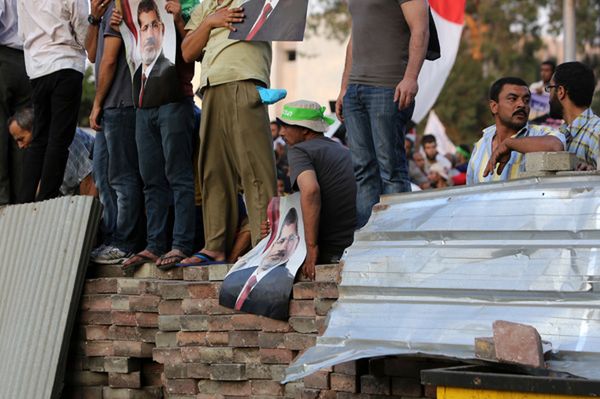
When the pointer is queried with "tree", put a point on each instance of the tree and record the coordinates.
(87, 97)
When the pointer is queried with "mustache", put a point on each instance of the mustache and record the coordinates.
(150, 42)
(520, 112)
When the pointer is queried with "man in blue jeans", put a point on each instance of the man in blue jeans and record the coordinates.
(384, 57)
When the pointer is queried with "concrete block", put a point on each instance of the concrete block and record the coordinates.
(550, 161)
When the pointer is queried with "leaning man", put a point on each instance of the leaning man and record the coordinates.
(322, 170)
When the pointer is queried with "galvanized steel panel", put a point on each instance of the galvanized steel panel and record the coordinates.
(44, 250)
(433, 270)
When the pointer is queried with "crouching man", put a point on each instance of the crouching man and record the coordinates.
(322, 171)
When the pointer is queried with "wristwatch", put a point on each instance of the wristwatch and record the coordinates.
(93, 20)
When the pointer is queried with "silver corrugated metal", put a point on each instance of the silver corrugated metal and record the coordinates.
(44, 249)
(433, 270)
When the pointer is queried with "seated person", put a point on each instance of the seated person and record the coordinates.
(505, 142)
(432, 156)
(78, 173)
(571, 92)
(438, 178)
(322, 170)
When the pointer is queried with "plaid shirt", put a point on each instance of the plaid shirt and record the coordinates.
(79, 164)
(583, 137)
(482, 152)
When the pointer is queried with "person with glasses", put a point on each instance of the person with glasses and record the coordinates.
(498, 155)
(571, 91)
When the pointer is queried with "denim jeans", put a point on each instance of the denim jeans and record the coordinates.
(108, 197)
(124, 175)
(375, 131)
(164, 143)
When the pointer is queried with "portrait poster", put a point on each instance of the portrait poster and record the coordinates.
(150, 40)
(540, 103)
(261, 282)
(272, 20)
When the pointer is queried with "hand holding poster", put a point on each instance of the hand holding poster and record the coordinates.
(261, 282)
(272, 20)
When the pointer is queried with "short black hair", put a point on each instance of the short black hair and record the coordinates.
(147, 6)
(551, 64)
(23, 117)
(428, 138)
(578, 80)
(500, 83)
(291, 217)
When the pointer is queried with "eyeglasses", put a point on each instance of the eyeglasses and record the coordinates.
(549, 87)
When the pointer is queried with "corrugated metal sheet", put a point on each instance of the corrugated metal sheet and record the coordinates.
(44, 251)
(433, 270)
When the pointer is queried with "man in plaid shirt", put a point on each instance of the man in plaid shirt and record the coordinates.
(571, 90)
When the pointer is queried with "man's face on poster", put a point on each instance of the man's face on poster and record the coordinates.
(282, 248)
(152, 31)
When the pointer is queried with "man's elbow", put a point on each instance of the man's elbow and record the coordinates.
(556, 145)
(311, 192)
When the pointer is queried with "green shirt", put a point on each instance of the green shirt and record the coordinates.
(226, 60)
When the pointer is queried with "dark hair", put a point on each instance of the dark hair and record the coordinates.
(551, 64)
(578, 80)
(500, 83)
(291, 217)
(147, 6)
(24, 118)
(428, 138)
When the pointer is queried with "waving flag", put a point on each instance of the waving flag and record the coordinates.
(449, 17)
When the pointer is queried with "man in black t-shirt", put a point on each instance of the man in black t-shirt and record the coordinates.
(322, 170)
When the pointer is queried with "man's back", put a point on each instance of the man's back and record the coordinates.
(333, 166)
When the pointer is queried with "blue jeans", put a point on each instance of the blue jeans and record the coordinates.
(375, 131)
(108, 197)
(164, 142)
(124, 175)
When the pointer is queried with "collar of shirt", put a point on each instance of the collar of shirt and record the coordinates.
(149, 68)
(572, 130)
(490, 131)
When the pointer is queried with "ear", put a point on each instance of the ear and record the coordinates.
(493, 107)
(561, 93)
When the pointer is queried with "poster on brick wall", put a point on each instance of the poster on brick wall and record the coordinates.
(261, 282)
(272, 20)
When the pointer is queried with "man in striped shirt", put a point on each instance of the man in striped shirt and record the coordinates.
(498, 155)
(571, 91)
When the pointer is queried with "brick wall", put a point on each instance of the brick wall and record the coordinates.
(165, 335)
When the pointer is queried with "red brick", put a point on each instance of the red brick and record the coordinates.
(181, 386)
(144, 303)
(196, 322)
(148, 320)
(128, 286)
(197, 370)
(375, 385)
(315, 290)
(95, 318)
(344, 382)
(172, 306)
(120, 303)
(167, 356)
(328, 394)
(246, 322)
(243, 339)
(195, 273)
(99, 303)
(304, 307)
(228, 372)
(308, 393)
(151, 287)
(195, 354)
(120, 364)
(518, 343)
(327, 273)
(99, 348)
(267, 388)
(217, 338)
(323, 306)
(246, 355)
(191, 338)
(132, 349)
(101, 286)
(96, 333)
(121, 380)
(272, 325)
(271, 340)
(276, 356)
(317, 380)
(349, 368)
(205, 306)
(233, 388)
(321, 324)
(173, 290)
(303, 325)
(298, 341)
(220, 323)
(123, 318)
(121, 333)
(407, 387)
(204, 290)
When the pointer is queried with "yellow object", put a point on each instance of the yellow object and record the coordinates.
(464, 393)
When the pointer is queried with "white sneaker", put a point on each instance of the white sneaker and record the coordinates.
(97, 251)
(111, 256)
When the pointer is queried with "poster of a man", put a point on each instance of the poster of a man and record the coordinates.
(262, 281)
(272, 20)
(150, 41)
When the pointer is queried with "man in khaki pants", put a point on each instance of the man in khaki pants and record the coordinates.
(236, 146)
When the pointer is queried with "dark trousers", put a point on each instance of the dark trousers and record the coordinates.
(56, 99)
(15, 93)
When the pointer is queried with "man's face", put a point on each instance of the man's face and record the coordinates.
(430, 150)
(292, 134)
(151, 36)
(22, 137)
(282, 248)
(546, 73)
(280, 187)
(512, 108)
(434, 177)
(419, 160)
(556, 107)
(274, 130)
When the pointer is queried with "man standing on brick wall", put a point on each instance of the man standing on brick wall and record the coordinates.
(385, 53)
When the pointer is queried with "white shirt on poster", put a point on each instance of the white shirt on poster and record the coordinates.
(53, 34)
(273, 4)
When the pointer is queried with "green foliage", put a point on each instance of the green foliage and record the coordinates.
(87, 97)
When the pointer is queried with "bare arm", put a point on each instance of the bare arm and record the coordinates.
(523, 145)
(106, 74)
(310, 200)
(194, 42)
(174, 7)
(345, 78)
(417, 17)
(98, 8)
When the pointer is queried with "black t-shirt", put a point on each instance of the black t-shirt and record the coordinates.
(333, 166)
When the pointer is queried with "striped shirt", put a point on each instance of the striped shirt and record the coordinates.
(79, 163)
(583, 137)
(482, 152)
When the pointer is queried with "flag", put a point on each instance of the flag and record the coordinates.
(436, 128)
(449, 17)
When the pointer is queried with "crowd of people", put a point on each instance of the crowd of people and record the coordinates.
(183, 187)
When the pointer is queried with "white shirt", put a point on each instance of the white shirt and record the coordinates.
(53, 33)
(9, 35)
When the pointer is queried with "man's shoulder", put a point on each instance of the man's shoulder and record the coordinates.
(540, 130)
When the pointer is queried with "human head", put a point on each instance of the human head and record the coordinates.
(509, 102)
(284, 245)
(463, 153)
(429, 144)
(437, 174)
(274, 130)
(409, 143)
(572, 85)
(152, 31)
(547, 70)
(280, 183)
(20, 126)
(302, 119)
(419, 160)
